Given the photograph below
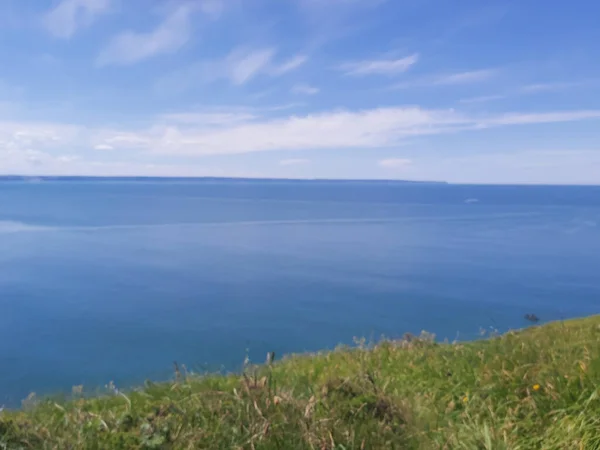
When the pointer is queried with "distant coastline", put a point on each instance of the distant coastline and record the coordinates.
(33, 178)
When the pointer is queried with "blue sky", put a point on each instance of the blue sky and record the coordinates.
(463, 91)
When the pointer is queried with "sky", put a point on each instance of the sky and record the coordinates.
(464, 91)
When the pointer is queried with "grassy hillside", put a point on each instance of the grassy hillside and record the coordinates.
(534, 389)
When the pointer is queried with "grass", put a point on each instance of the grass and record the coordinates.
(534, 389)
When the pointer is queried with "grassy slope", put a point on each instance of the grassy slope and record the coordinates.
(538, 388)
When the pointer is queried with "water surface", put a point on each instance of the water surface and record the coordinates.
(114, 280)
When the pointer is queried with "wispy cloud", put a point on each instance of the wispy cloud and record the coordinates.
(304, 89)
(239, 67)
(394, 163)
(289, 65)
(531, 89)
(34, 163)
(131, 47)
(294, 162)
(339, 3)
(450, 79)
(544, 117)
(380, 66)
(24, 145)
(211, 118)
(374, 128)
(68, 16)
(218, 116)
(338, 19)
(482, 99)
(212, 8)
(195, 136)
(552, 86)
(473, 76)
(335, 12)
(103, 147)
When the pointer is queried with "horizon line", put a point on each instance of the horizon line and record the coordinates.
(13, 177)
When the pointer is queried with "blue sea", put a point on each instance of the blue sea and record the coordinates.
(114, 280)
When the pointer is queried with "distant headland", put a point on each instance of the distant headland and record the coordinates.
(45, 178)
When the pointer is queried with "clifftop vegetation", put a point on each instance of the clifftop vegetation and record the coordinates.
(537, 388)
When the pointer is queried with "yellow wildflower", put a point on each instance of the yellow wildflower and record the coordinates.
(536, 387)
(465, 399)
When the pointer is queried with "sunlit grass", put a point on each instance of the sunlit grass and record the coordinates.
(534, 389)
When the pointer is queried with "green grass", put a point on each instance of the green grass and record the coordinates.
(534, 389)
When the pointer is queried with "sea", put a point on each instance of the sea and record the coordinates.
(111, 281)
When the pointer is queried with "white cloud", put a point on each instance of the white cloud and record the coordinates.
(218, 116)
(239, 67)
(18, 136)
(380, 67)
(212, 8)
(337, 19)
(473, 76)
(563, 166)
(34, 148)
(374, 128)
(130, 47)
(482, 99)
(304, 89)
(39, 164)
(103, 147)
(210, 118)
(530, 89)
(243, 64)
(533, 118)
(451, 79)
(190, 135)
(289, 65)
(548, 87)
(68, 16)
(25, 144)
(339, 3)
(328, 130)
(126, 139)
(394, 163)
(335, 11)
(294, 162)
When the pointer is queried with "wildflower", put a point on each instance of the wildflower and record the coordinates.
(465, 399)
(110, 387)
(536, 387)
(77, 390)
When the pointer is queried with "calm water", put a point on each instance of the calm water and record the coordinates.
(104, 281)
